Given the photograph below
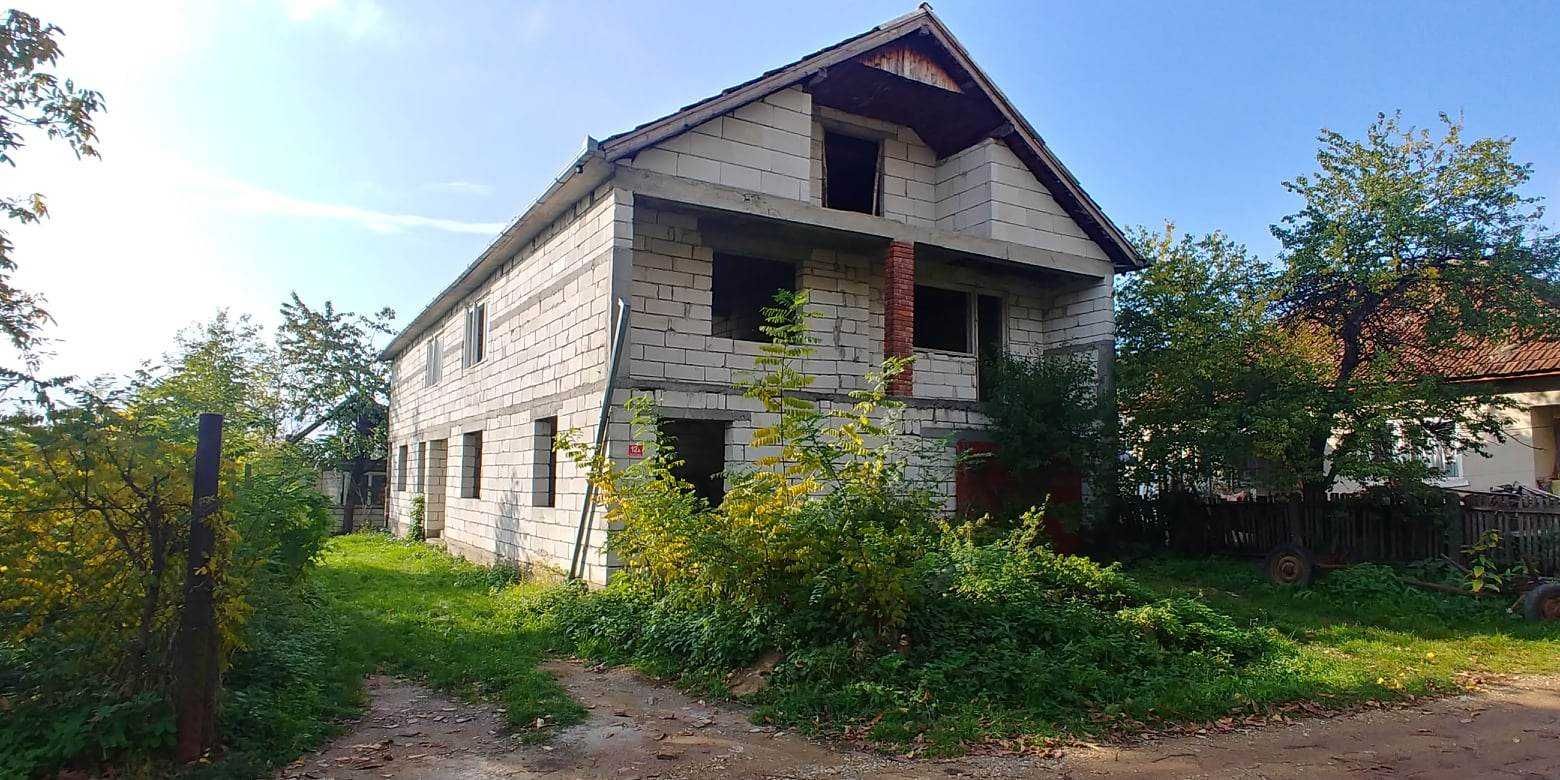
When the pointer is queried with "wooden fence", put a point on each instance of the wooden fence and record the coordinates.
(1529, 526)
(1352, 528)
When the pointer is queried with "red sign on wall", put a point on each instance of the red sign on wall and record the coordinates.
(636, 450)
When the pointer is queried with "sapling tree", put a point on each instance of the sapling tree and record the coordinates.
(337, 388)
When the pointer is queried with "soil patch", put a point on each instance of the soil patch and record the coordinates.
(637, 730)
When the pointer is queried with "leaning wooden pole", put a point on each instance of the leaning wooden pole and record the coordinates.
(196, 673)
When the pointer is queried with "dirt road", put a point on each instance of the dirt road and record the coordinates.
(637, 730)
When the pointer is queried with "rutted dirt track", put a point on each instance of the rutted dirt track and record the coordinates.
(637, 729)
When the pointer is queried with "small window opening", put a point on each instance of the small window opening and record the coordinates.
(988, 327)
(701, 446)
(401, 456)
(545, 476)
(471, 465)
(850, 173)
(742, 287)
(476, 335)
(431, 368)
(422, 467)
(942, 319)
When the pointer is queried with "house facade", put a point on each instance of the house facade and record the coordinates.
(884, 175)
(1527, 375)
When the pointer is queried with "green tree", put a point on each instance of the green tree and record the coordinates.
(224, 366)
(336, 387)
(1409, 245)
(1209, 384)
(33, 98)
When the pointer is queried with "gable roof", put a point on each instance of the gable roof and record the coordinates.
(592, 166)
(1003, 121)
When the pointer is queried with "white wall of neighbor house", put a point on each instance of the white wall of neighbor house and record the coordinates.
(1526, 456)
(548, 326)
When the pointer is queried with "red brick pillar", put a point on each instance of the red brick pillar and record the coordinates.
(899, 310)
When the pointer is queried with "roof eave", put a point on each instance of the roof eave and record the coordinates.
(585, 173)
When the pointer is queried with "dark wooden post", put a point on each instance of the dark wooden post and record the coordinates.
(197, 675)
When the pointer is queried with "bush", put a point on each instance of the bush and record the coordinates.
(84, 672)
(833, 552)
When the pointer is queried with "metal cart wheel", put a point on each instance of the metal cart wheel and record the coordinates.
(1290, 565)
(1543, 602)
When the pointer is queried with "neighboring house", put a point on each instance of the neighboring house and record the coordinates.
(370, 511)
(886, 175)
(1527, 374)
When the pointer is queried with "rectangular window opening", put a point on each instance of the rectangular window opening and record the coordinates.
(476, 336)
(942, 319)
(545, 476)
(422, 467)
(701, 446)
(850, 173)
(740, 290)
(471, 465)
(401, 456)
(431, 368)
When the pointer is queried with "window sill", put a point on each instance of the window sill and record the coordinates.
(944, 352)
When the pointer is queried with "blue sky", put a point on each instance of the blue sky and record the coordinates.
(367, 150)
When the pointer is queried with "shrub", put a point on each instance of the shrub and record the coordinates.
(832, 550)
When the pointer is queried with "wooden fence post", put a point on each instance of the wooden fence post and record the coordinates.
(196, 673)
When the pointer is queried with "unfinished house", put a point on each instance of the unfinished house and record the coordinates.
(886, 175)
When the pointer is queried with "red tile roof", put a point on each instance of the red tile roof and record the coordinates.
(1532, 358)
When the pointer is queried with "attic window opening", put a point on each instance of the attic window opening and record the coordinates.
(742, 287)
(850, 173)
(942, 319)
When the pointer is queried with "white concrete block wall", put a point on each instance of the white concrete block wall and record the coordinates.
(672, 320)
(744, 416)
(763, 146)
(1079, 314)
(548, 312)
(987, 190)
(673, 268)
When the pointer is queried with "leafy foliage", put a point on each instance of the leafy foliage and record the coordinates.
(96, 498)
(831, 515)
(333, 380)
(1045, 410)
(1331, 365)
(833, 552)
(33, 97)
(1209, 385)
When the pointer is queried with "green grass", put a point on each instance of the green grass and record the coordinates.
(416, 612)
(1358, 636)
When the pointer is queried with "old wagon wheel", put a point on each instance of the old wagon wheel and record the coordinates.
(1290, 564)
(1543, 602)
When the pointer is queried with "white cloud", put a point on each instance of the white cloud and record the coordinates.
(460, 187)
(243, 197)
(356, 18)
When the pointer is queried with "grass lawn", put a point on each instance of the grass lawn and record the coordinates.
(413, 611)
(1359, 636)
